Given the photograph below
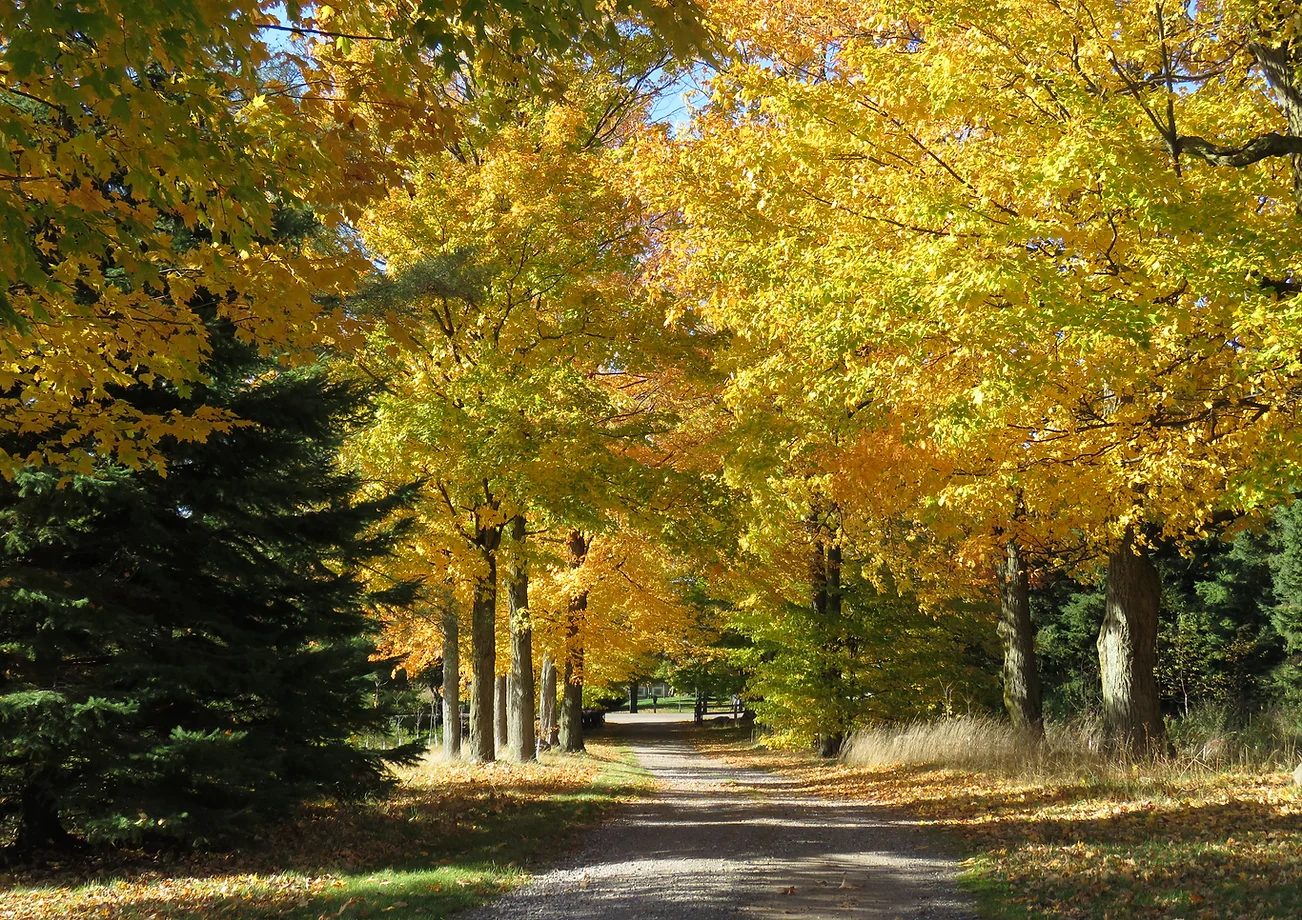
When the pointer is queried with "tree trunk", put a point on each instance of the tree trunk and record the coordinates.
(1023, 695)
(1132, 717)
(818, 581)
(832, 583)
(572, 703)
(521, 741)
(451, 683)
(1281, 64)
(499, 713)
(547, 703)
(483, 652)
(39, 827)
(632, 699)
(825, 588)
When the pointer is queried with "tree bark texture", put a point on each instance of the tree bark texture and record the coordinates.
(825, 589)
(632, 699)
(547, 702)
(572, 705)
(483, 651)
(1127, 645)
(1281, 64)
(521, 742)
(571, 734)
(1023, 693)
(499, 712)
(451, 683)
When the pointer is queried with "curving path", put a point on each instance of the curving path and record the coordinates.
(721, 842)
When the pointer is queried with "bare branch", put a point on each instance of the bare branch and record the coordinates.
(1255, 150)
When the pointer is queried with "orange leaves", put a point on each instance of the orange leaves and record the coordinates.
(151, 204)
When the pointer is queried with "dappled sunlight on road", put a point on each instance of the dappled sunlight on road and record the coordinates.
(725, 841)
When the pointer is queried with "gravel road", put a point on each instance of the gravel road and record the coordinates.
(722, 842)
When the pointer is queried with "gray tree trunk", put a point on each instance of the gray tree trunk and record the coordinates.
(547, 702)
(521, 742)
(1023, 694)
(1132, 717)
(499, 712)
(451, 683)
(572, 701)
(483, 650)
(1281, 64)
(572, 704)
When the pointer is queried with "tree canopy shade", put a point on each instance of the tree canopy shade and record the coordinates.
(148, 147)
(181, 655)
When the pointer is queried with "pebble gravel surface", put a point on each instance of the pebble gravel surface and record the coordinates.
(721, 842)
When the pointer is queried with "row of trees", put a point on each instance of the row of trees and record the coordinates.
(1007, 288)
(206, 518)
(531, 383)
(925, 303)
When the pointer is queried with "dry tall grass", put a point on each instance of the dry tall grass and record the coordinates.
(984, 744)
(977, 743)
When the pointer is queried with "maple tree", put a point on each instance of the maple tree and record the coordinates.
(152, 149)
(1044, 250)
(921, 302)
(525, 366)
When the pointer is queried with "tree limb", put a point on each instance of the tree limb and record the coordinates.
(1259, 148)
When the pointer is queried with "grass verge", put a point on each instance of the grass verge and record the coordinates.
(1141, 843)
(453, 836)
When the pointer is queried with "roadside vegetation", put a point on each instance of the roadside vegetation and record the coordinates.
(360, 364)
(453, 835)
(1060, 831)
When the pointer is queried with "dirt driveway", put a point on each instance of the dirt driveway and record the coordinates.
(718, 842)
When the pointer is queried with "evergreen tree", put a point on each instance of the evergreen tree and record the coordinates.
(1286, 609)
(1217, 642)
(187, 650)
(1067, 617)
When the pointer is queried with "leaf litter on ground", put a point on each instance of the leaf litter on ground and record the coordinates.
(1145, 843)
(452, 835)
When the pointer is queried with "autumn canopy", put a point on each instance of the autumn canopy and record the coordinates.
(833, 354)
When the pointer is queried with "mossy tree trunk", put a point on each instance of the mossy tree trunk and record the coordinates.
(1023, 692)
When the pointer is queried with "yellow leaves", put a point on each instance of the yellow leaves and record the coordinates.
(214, 150)
(979, 233)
